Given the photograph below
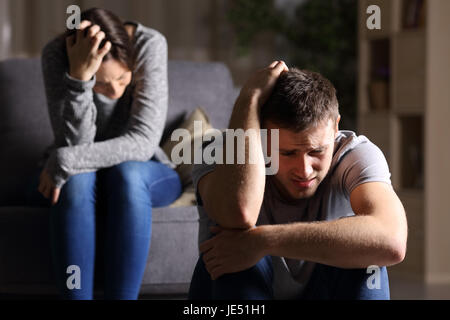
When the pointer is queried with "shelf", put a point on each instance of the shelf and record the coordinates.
(413, 14)
(408, 72)
(418, 46)
(380, 75)
(411, 157)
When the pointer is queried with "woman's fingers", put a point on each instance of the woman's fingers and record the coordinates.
(103, 51)
(44, 190)
(41, 188)
(97, 40)
(80, 32)
(70, 41)
(55, 195)
(92, 32)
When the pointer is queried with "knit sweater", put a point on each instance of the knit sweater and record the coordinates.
(92, 131)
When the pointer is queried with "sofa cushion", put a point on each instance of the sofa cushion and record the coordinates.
(184, 169)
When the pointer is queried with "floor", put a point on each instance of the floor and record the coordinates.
(400, 290)
(414, 290)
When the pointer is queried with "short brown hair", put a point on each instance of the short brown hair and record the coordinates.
(300, 99)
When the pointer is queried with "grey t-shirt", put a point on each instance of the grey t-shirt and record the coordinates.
(355, 161)
(92, 131)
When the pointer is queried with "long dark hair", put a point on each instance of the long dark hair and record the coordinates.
(114, 29)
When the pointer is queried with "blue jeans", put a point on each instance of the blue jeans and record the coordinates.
(119, 198)
(326, 283)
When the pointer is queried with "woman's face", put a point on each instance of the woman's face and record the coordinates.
(112, 79)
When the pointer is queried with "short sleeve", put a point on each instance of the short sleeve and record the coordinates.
(364, 163)
(199, 171)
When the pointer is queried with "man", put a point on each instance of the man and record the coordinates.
(311, 230)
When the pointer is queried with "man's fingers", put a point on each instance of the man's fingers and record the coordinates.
(280, 67)
(205, 246)
(212, 268)
(215, 229)
(216, 272)
(273, 64)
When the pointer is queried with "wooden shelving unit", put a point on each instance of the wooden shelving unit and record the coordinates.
(396, 101)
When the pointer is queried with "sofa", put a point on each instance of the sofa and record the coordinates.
(25, 131)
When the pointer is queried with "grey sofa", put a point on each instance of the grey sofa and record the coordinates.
(25, 265)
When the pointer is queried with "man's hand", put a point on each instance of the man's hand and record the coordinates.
(83, 51)
(260, 85)
(47, 187)
(232, 250)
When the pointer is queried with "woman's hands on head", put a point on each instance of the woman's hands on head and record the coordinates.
(84, 54)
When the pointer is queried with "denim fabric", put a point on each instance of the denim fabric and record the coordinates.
(326, 283)
(119, 198)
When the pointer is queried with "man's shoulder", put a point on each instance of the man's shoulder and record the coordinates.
(358, 160)
(349, 145)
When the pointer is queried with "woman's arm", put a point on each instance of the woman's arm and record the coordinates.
(145, 126)
(70, 101)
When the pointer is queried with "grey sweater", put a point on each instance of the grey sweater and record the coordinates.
(92, 131)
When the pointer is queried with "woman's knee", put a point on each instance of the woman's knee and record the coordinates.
(79, 189)
(126, 174)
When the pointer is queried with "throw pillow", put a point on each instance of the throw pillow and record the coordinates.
(184, 169)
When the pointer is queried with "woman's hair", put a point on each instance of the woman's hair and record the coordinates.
(115, 32)
(300, 99)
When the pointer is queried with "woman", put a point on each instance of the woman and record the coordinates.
(107, 94)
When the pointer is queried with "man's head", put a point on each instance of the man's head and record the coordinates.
(304, 107)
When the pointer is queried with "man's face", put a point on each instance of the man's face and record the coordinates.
(304, 158)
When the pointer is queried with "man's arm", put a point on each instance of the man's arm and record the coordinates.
(232, 194)
(376, 235)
